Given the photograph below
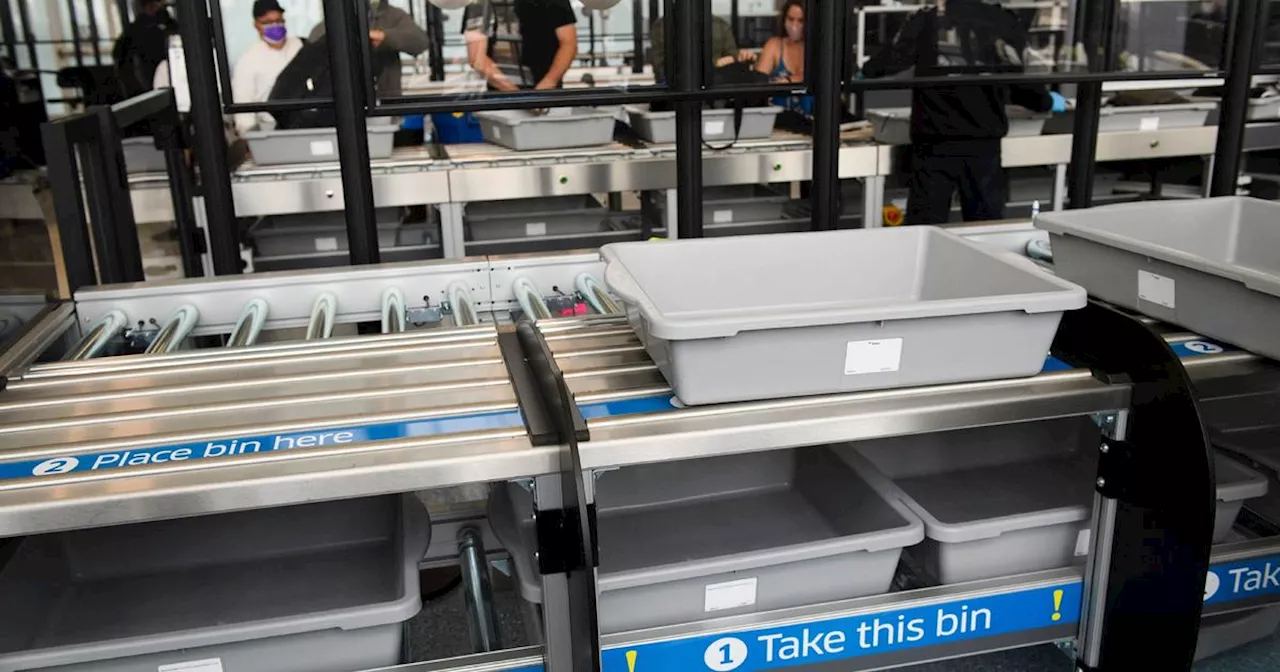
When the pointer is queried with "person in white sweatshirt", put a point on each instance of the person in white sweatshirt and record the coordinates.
(257, 69)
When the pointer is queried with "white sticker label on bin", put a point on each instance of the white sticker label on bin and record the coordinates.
(1082, 543)
(207, 665)
(326, 244)
(730, 595)
(497, 131)
(535, 229)
(722, 216)
(1156, 288)
(881, 356)
(713, 127)
(1149, 124)
(321, 148)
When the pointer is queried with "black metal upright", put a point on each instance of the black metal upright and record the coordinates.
(1245, 37)
(75, 33)
(10, 33)
(95, 36)
(346, 61)
(826, 39)
(435, 53)
(687, 59)
(210, 142)
(1096, 21)
(637, 37)
(68, 206)
(115, 233)
(25, 16)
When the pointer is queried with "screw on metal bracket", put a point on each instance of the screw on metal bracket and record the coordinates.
(1101, 482)
(1104, 448)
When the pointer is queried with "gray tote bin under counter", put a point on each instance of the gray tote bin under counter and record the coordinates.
(297, 234)
(320, 587)
(557, 129)
(892, 126)
(142, 156)
(717, 125)
(768, 316)
(312, 145)
(1207, 265)
(534, 218)
(688, 540)
(1010, 499)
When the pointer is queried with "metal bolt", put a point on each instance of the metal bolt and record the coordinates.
(1105, 448)
(1102, 482)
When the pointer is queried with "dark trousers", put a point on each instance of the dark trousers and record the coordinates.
(939, 169)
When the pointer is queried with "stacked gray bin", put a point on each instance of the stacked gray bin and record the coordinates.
(1208, 265)
(1260, 109)
(142, 156)
(736, 209)
(317, 232)
(837, 311)
(557, 129)
(313, 145)
(1010, 499)
(892, 126)
(688, 540)
(1139, 118)
(717, 125)
(314, 588)
(534, 218)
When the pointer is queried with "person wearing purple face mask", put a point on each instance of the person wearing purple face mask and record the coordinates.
(256, 71)
(782, 57)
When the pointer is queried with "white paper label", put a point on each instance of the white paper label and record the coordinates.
(722, 216)
(730, 595)
(882, 356)
(326, 244)
(1082, 543)
(712, 127)
(1156, 288)
(321, 148)
(535, 229)
(1149, 124)
(497, 131)
(208, 665)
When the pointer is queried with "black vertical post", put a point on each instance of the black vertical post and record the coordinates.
(211, 148)
(115, 233)
(122, 8)
(1245, 36)
(94, 35)
(346, 60)
(637, 37)
(10, 33)
(826, 38)
(29, 35)
(435, 52)
(168, 132)
(735, 18)
(1097, 22)
(655, 10)
(68, 206)
(75, 32)
(591, 35)
(687, 59)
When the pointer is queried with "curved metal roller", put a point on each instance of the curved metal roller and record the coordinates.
(596, 295)
(393, 319)
(323, 313)
(530, 300)
(464, 309)
(249, 325)
(174, 332)
(97, 337)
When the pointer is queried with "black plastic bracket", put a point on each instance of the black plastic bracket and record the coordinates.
(538, 422)
(1117, 472)
(558, 550)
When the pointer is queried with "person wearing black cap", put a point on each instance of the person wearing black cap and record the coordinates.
(258, 67)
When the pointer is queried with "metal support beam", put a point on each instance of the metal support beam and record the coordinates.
(1245, 37)
(1096, 21)
(115, 233)
(685, 64)
(637, 37)
(25, 16)
(211, 147)
(68, 203)
(478, 591)
(826, 46)
(10, 32)
(347, 62)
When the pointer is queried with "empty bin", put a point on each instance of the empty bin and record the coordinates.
(558, 129)
(1010, 499)
(142, 156)
(717, 125)
(535, 218)
(1139, 118)
(685, 541)
(835, 311)
(892, 126)
(314, 588)
(292, 235)
(1208, 265)
(313, 145)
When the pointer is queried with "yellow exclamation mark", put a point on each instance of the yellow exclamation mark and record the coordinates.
(1057, 606)
(631, 660)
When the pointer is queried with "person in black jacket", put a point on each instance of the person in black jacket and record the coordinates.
(142, 46)
(956, 130)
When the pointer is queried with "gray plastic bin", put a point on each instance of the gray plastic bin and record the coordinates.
(312, 145)
(315, 588)
(287, 235)
(1139, 118)
(758, 317)
(688, 540)
(1010, 499)
(717, 125)
(142, 156)
(535, 218)
(558, 129)
(1208, 265)
(892, 126)
(1223, 632)
(1260, 109)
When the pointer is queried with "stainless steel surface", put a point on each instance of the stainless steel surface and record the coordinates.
(97, 337)
(481, 620)
(38, 339)
(174, 332)
(498, 661)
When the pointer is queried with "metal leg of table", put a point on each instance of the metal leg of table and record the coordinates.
(673, 215)
(873, 202)
(557, 632)
(1060, 186)
(1098, 565)
(452, 237)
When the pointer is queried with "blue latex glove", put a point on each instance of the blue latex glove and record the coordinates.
(1059, 102)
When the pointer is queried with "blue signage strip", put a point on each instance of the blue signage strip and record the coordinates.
(1242, 579)
(856, 636)
(262, 443)
(608, 409)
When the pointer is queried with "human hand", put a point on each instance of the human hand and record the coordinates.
(723, 61)
(746, 55)
(545, 85)
(1059, 102)
(501, 83)
(376, 37)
